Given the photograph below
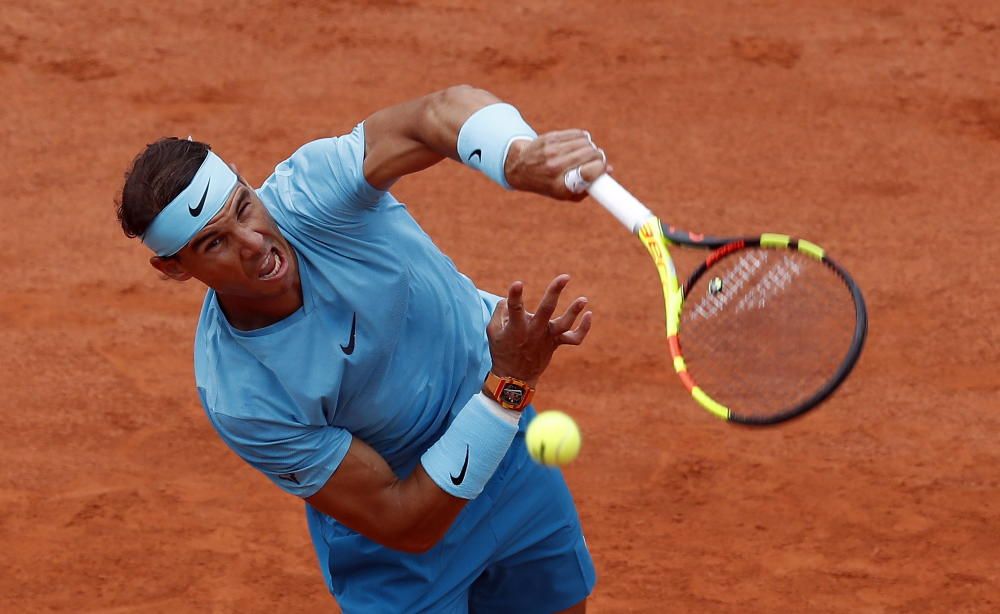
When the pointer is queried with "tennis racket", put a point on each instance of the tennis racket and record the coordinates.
(764, 329)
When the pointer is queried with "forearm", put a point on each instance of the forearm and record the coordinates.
(409, 137)
(454, 470)
(364, 494)
(445, 113)
(419, 513)
(466, 124)
(412, 514)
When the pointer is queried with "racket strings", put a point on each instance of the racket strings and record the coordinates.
(763, 329)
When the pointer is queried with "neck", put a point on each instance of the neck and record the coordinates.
(252, 313)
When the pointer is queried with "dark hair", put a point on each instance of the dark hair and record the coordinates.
(156, 177)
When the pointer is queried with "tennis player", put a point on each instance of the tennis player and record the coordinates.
(343, 355)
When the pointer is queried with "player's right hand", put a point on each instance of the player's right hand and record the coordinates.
(522, 342)
(541, 165)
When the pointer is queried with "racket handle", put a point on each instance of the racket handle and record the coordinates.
(617, 200)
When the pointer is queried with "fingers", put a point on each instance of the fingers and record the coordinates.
(514, 306)
(550, 299)
(557, 164)
(498, 319)
(565, 322)
(577, 152)
(576, 336)
(560, 136)
(567, 148)
(510, 314)
(580, 162)
(523, 345)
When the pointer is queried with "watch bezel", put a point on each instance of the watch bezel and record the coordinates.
(509, 392)
(510, 388)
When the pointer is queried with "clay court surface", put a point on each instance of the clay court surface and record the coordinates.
(872, 128)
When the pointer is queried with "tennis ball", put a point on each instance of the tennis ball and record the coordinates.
(553, 438)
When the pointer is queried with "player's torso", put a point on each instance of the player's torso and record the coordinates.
(389, 339)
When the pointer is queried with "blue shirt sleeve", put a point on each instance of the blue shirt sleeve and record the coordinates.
(323, 182)
(298, 458)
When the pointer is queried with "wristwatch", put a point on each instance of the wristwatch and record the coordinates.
(509, 392)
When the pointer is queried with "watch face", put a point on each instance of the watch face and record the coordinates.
(512, 395)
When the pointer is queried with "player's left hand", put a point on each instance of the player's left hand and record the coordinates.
(557, 164)
(522, 342)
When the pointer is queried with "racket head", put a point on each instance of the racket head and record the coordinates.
(766, 328)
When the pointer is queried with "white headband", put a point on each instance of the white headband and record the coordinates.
(191, 211)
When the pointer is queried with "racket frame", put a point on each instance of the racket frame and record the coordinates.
(656, 239)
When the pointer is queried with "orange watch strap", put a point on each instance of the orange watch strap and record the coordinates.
(494, 385)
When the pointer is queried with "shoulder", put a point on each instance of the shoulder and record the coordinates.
(324, 176)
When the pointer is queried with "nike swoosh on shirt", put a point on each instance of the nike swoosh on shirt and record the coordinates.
(201, 203)
(349, 348)
(458, 479)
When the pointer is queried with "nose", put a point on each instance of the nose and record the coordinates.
(251, 242)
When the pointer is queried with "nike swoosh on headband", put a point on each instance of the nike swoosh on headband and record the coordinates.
(201, 203)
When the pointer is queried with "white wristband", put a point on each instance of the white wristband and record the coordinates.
(498, 410)
(463, 460)
(485, 138)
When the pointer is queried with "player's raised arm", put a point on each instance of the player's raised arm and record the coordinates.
(413, 514)
(476, 128)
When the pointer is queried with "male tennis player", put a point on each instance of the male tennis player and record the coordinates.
(341, 353)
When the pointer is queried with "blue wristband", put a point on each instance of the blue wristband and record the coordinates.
(485, 138)
(465, 457)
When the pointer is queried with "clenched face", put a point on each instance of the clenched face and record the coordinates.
(242, 255)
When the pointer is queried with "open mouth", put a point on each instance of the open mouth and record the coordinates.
(273, 266)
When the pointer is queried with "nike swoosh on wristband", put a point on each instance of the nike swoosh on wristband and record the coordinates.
(349, 348)
(476, 152)
(201, 204)
(458, 479)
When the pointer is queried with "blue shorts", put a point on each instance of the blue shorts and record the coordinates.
(517, 547)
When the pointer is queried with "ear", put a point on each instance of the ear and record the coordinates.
(170, 267)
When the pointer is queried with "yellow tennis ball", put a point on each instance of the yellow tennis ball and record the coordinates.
(553, 438)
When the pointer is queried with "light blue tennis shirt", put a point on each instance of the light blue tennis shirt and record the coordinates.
(388, 345)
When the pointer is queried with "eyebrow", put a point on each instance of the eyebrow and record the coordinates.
(239, 195)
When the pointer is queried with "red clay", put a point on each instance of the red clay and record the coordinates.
(871, 128)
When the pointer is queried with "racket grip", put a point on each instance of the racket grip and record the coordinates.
(619, 202)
